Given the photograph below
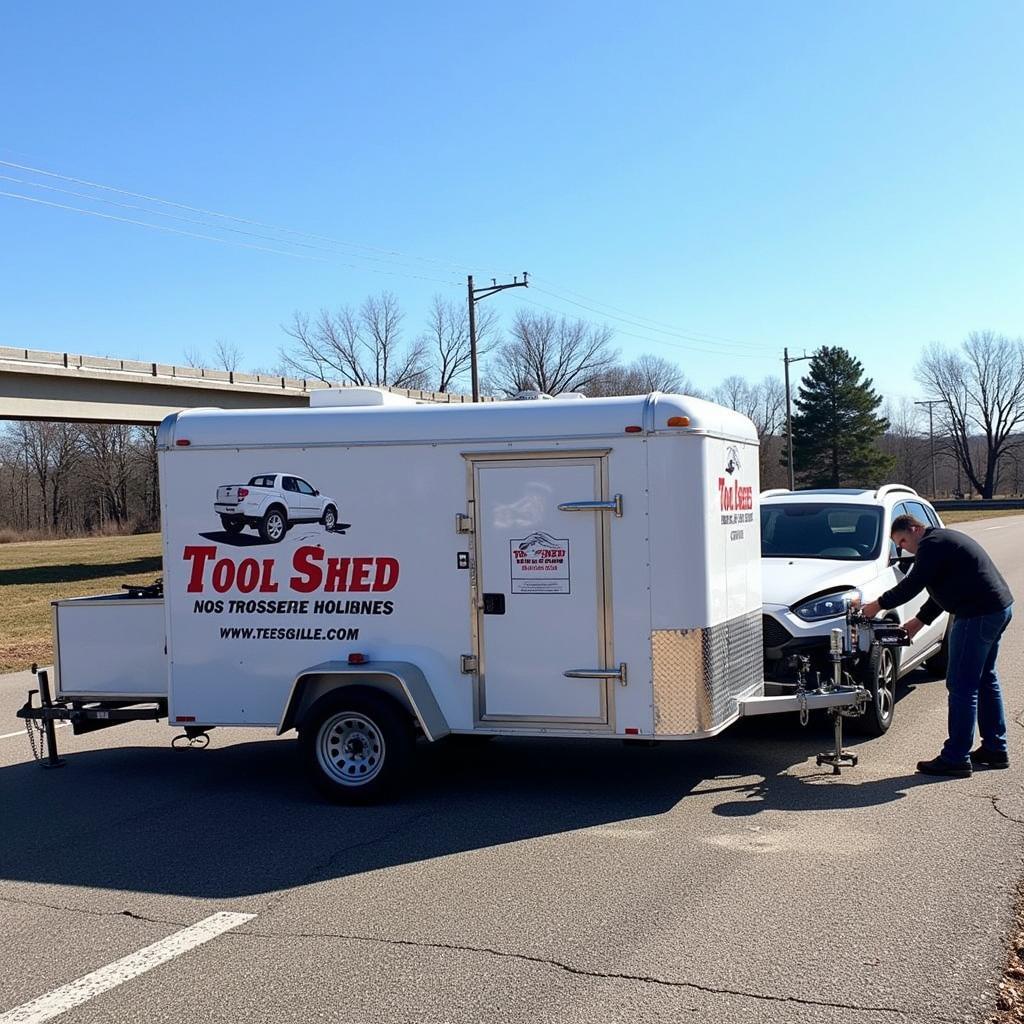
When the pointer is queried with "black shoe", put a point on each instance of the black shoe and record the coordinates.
(939, 767)
(982, 758)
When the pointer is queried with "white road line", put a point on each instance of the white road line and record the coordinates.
(1004, 527)
(67, 997)
(21, 732)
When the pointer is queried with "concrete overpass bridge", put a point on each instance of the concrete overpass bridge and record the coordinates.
(39, 385)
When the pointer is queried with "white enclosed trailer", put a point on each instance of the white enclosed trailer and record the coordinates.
(575, 567)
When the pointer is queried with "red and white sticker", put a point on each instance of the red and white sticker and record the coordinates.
(540, 564)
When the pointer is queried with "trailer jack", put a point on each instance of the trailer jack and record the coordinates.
(82, 717)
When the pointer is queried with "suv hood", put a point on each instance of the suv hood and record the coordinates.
(788, 581)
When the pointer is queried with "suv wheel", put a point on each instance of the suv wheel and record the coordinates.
(273, 526)
(880, 680)
(330, 519)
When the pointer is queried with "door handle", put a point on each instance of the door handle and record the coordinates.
(599, 673)
(615, 505)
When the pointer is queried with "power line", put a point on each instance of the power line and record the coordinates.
(655, 341)
(227, 216)
(673, 328)
(191, 220)
(213, 238)
(633, 323)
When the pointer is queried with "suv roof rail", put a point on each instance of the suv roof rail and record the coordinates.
(774, 491)
(893, 488)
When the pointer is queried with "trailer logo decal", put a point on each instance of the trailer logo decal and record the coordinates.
(733, 459)
(540, 564)
(314, 571)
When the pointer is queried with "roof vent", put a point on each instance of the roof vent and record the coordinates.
(356, 397)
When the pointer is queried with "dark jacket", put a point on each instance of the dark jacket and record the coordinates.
(960, 578)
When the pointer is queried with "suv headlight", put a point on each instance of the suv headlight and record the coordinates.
(828, 606)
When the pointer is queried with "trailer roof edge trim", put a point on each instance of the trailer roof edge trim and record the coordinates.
(507, 421)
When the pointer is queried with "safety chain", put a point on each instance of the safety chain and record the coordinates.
(32, 727)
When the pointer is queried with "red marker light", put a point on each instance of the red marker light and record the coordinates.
(357, 659)
(185, 718)
(182, 443)
(634, 430)
(630, 731)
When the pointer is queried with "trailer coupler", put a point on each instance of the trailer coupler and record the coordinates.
(83, 717)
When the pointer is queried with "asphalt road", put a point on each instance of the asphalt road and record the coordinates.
(523, 880)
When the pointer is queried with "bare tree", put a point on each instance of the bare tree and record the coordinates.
(645, 374)
(982, 388)
(446, 338)
(551, 354)
(356, 347)
(111, 465)
(226, 355)
(903, 442)
(764, 403)
(193, 356)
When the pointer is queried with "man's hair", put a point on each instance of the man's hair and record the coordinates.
(901, 524)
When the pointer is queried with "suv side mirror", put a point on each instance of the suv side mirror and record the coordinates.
(316, 494)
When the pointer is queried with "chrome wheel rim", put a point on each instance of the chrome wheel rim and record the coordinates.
(275, 526)
(350, 749)
(885, 697)
(329, 520)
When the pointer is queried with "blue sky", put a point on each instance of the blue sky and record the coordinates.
(769, 174)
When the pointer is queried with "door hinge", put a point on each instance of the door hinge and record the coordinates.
(463, 523)
(468, 664)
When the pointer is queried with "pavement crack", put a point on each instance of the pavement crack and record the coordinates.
(561, 965)
(86, 912)
(328, 862)
(994, 800)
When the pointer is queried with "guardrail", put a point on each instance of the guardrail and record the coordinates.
(979, 504)
(24, 359)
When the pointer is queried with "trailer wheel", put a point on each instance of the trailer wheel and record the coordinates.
(274, 525)
(879, 678)
(232, 526)
(330, 519)
(357, 745)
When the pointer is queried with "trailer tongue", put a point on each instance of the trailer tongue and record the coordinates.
(559, 568)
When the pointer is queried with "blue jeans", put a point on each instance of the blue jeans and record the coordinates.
(973, 685)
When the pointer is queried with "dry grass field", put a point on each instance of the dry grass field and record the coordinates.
(34, 573)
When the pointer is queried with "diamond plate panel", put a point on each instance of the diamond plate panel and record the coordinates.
(699, 673)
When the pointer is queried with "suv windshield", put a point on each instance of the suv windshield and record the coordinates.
(850, 533)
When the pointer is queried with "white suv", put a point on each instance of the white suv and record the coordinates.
(820, 547)
(273, 503)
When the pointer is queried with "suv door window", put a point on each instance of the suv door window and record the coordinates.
(898, 510)
(288, 483)
(925, 514)
(303, 487)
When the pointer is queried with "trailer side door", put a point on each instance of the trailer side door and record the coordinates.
(540, 602)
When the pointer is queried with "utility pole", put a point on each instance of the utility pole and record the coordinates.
(789, 414)
(475, 295)
(931, 402)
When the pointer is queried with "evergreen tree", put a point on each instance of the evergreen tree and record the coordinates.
(835, 425)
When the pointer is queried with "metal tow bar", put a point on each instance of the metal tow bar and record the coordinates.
(46, 754)
(833, 695)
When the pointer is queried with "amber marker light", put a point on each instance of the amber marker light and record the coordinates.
(678, 421)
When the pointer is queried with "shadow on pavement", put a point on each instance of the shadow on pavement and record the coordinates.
(240, 819)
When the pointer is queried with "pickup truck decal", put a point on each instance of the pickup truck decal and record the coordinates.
(271, 504)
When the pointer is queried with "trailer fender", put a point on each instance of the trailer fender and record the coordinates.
(401, 680)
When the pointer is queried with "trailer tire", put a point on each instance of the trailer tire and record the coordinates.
(274, 525)
(880, 677)
(357, 745)
(330, 518)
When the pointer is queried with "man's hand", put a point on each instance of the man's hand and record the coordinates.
(913, 627)
(871, 610)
